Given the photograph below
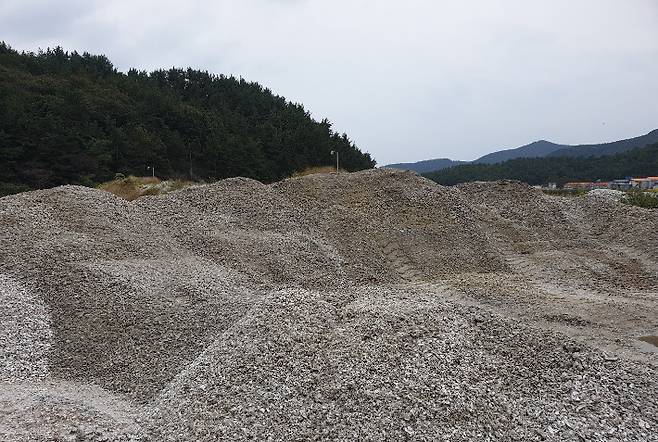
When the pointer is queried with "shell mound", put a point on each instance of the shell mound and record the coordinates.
(373, 306)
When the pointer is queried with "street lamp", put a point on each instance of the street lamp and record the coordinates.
(335, 152)
(151, 168)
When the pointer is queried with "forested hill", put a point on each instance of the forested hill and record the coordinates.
(71, 118)
(538, 149)
(588, 150)
(636, 162)
(426, 165)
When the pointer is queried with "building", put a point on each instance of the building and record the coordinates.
(624, 184)
(643, 183)
(582, 185)
(586, 185)
(650, 182)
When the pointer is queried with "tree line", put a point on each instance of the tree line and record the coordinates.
(70, 118)
(560, 170)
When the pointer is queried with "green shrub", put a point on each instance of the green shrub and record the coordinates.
(641, 199)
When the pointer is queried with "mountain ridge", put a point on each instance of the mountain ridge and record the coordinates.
(642, 161)
(611, 148)
(427, 165)
(538, 149)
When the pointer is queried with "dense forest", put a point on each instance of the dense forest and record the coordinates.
(74, 118)
(636, 162)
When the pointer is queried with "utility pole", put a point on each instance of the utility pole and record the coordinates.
(335, 152)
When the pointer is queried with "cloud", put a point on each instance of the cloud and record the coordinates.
(406, 80)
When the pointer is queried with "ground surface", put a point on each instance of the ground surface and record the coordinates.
(366, 306)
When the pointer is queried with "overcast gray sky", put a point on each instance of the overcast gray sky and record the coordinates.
(406, 80)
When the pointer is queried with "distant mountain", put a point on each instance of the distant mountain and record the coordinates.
(537, 149)
(642, 161)
(426, 165)
(597, 150)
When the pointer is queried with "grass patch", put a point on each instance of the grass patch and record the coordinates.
(647, 200)
(316, 170)
(133, 187)
(180, 184)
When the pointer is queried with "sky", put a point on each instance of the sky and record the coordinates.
(406, 80)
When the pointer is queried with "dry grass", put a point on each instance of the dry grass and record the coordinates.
(144, 186)
(181, 184)
(133, 187)
(316, 170)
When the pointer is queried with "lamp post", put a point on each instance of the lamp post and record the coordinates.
(335, 152)
(152, 169)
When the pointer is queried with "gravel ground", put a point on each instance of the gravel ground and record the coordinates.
(607, 194)
(25, 335)
(368, 306)
(65, 411)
